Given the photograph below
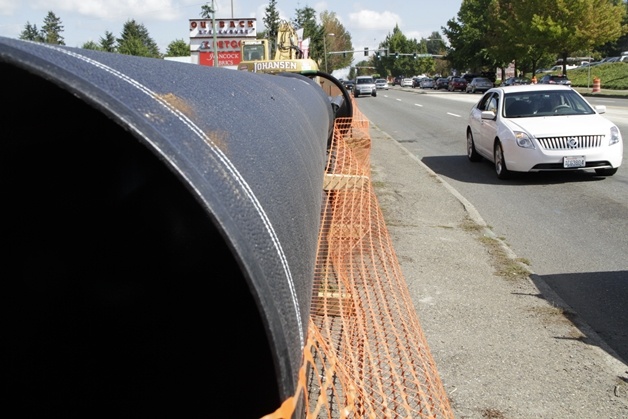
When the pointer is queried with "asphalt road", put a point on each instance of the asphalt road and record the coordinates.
(572, 228)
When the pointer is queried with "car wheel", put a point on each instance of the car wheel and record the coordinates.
(374, 93)
(500, 162)
(471, 151)
(606, 172)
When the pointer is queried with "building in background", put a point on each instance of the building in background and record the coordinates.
(229, 35)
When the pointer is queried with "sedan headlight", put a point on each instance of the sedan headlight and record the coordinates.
(523, 140)
(615, 136)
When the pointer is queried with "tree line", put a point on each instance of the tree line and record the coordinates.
(133, 40)
(484, 35)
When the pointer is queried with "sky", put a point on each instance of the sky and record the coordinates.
(368, 21)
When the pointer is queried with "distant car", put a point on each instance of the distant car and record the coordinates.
(381, 84)
(536, 128)
(479, 84)
(406, 82)
(364, 85)
(397, 80)
(457, 83)
(349, 84)
(516, 81)
(416, 81)
(441, 83)
(427, 83)
(555, 79)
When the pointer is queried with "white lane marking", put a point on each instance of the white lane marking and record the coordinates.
(454, 114)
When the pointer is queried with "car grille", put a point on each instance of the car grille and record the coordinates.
(573, 142)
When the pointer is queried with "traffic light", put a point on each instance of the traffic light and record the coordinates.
(396, 55)
(366, 51)
(344, 55)
(414, 55)
(377, 55)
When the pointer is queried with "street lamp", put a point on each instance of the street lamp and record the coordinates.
(325, 49)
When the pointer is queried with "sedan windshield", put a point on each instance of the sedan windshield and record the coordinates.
(545, 103)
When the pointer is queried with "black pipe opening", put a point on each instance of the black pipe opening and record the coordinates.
(122, 297)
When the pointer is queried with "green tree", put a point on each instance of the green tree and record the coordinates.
(178, 48)
(91, 45)
(339, 41)
(401, 60)
(207, 11)
(51, 31)
(306, 19)
(566, 27)
(108, 42)
(469, 36)
(616, 47)
(31, 33)
(492, 33)
(135, 40)
(271, 22)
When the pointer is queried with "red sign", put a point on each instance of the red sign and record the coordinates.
(225, 58)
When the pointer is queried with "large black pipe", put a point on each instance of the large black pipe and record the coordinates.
(159, 229)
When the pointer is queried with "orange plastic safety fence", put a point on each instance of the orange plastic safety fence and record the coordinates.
(366, 355)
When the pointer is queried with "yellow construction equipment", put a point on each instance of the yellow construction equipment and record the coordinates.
(288, 55)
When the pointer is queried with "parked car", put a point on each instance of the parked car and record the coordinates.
(406, 82)
(441, 83)
(381, 84)
(555, 79)
(427, 83)
(364, 85)
(516, 81)
(397, 80)
(457, 83)
(416, 81)
(479, 84)
(537, 128)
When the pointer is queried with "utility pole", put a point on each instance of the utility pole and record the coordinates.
(212, 10)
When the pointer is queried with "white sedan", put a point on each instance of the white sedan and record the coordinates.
(407, 83)
(381, 84)
(536, 128)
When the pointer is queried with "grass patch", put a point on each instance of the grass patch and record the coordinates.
(612, 76)
(509, 268)
(378, 184)
(492, 414)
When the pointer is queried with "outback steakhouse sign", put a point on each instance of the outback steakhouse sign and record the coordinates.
(202, 28)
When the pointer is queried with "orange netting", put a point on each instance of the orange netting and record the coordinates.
(366, 355)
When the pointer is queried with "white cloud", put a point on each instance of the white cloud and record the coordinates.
(7, 7)
(369, 19)
(140, 10)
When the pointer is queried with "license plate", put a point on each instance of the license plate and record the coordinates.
(574, 161)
